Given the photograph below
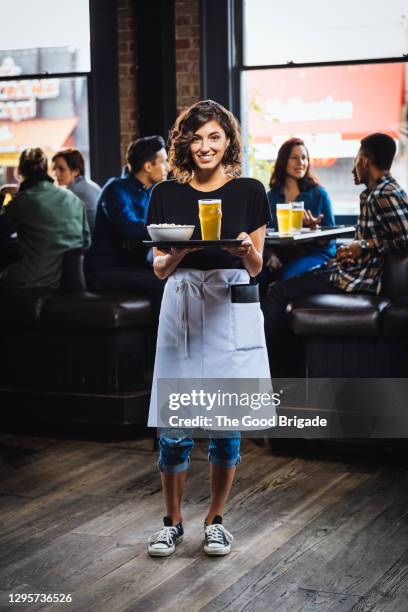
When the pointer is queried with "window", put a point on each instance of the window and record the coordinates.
(43, 80)
(45, 36)
(331, 107)
(305, 32)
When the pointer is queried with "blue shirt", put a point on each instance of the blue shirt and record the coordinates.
(317, 200)
(120, 219)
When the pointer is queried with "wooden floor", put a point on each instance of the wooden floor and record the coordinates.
(311, 533)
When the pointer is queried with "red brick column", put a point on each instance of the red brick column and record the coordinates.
(187, 53)
(129, 129)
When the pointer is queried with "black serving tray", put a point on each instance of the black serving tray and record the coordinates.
(185, 244)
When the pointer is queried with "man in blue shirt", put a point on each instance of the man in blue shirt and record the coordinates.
(117, 259)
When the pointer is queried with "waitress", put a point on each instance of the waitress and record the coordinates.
(201, 333)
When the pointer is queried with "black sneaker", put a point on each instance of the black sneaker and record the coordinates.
(163, 543)
(216, 538)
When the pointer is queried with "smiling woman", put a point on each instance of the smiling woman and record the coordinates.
(202, 331)
(208, 145)
(208, 139)
(293, 180)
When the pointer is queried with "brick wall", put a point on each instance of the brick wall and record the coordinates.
(187, 64)
(127, 81)
(187, 52)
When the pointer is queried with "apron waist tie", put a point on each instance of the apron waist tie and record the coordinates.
(183, 287)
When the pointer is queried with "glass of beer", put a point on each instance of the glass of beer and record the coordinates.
(210, 213)
(296, 216)
(7, 199)
(283, 213)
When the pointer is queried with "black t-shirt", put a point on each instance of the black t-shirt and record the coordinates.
(245, 208)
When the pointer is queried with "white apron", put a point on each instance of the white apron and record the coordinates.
(203, 335)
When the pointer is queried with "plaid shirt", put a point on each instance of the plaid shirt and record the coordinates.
(383, 219)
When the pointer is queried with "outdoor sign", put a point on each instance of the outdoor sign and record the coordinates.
(35, 112)
(326, 105)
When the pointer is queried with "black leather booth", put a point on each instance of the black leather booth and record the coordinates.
(73, 355)
(358, 336)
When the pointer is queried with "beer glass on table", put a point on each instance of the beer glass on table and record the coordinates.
(296, 216)
(283, 212)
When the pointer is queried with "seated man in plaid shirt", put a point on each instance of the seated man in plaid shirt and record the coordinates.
(382, 227)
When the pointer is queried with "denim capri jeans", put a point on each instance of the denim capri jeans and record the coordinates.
(175, 448)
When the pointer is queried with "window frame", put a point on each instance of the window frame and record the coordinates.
(102, 90)
(222, 52)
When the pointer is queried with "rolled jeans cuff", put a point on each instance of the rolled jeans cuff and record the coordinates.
(227, 463)
(173, 469)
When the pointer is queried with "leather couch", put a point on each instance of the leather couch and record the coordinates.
(349, 337)
(357, 336)
(72, 355)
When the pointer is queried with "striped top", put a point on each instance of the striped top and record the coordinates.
(383, 219)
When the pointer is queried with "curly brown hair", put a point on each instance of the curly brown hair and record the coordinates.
(182, 134)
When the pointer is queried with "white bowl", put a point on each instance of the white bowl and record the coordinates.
(171, 232)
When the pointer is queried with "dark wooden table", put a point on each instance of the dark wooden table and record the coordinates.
(327, 233)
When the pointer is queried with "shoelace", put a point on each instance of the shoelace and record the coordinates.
(166, 535)
(216, 533)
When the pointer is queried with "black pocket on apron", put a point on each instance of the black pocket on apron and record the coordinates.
(244, 294)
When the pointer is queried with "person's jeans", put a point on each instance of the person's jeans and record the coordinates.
(285, 350)
(175, 450)
(293, 266)
(304, 264)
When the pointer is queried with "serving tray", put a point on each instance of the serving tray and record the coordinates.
(185, 244)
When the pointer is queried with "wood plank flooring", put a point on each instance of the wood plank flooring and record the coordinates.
(312, 531)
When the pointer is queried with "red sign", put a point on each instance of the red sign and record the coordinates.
(18, 98)
(350, 101)
(34, 88)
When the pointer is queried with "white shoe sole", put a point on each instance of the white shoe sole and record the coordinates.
(163, 552)
(217, 552)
